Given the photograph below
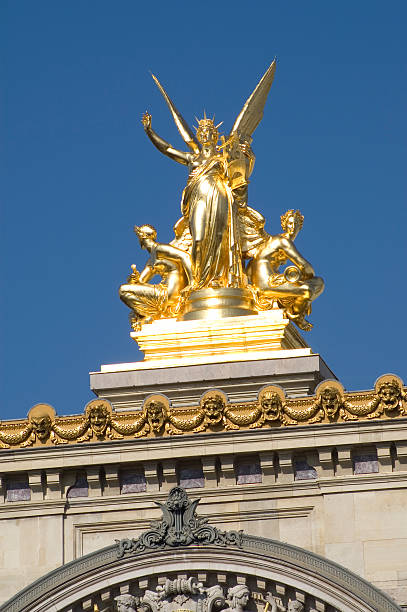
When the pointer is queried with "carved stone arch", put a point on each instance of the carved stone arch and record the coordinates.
(101, 576)
(183, 545)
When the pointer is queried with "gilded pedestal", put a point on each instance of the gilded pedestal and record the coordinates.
(265, 335)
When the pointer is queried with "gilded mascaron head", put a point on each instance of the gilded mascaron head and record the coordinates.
(98, 414)
(41, 426)
(330, 398)
(389, 393)
(330, 401)
(271, 405)
(155, 414)
(213, 407)
(41, 418)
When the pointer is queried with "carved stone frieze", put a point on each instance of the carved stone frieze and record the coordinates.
(184, 594)
(331, 404)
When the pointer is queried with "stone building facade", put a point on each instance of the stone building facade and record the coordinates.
(316, 468)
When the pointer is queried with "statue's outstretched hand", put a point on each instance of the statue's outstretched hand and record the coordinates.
(146, 120)
(134, 277)
(272, 604)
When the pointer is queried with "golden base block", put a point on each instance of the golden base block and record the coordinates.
(218, 304)
(267, 335)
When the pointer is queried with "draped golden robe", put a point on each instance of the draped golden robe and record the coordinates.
(207, 204)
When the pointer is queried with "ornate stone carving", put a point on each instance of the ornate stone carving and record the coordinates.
(272, 403)
(183, 594)
(156, 412)
(273, 605)
(330, 399)
(238, 598)
(213, 405)
(126, 603)
(95, 572)
(331, 404)
(179, 526)
(41, 417)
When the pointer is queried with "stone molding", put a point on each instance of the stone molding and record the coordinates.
(331, 405)
(181, 536)
(285, 563)
(387, 437)
(275, 439)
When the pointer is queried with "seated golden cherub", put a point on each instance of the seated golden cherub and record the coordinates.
(150, 301)
(297, 286)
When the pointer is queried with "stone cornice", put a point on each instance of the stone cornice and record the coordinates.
(330, 408)
(316, 436)
(213, 496)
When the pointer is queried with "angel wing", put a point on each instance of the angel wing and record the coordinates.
(252, 112)
(180, 122)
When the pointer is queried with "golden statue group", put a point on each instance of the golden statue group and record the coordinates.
(221, 262)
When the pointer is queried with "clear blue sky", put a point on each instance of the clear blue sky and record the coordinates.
(79, 171)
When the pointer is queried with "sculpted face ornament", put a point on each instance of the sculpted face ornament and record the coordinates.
(271, 406)
(41, 427)
(155, 412)
(98, 419)
(98, 414)
(273, 606)
(41, 418)
(389, 393)
(331, 401)
(126, 603)
(178, 499)
(213, 407)
(238, 597)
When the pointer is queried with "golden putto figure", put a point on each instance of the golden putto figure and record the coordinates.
(221, 262)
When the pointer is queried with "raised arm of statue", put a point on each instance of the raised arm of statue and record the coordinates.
(271, 604)
(162, 145)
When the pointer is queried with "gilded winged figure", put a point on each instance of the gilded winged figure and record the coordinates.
(218, 232)
(216, 190)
